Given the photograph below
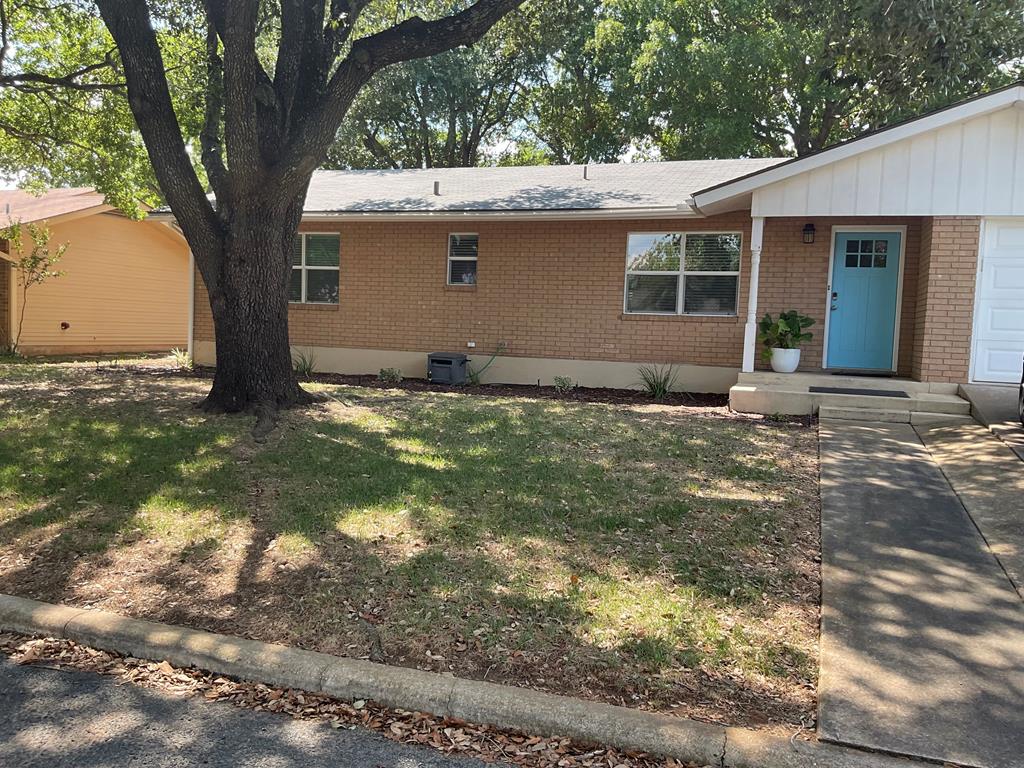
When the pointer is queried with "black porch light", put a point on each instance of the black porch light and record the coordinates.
(808, 233)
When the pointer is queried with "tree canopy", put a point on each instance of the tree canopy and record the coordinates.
(558, 81)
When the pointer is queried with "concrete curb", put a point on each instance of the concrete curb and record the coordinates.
(440, 695)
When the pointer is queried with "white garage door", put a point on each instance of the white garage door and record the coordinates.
(999, 321)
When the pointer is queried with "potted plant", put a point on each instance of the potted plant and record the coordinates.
(782, 339)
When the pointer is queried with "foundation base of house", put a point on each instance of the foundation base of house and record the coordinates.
(790, 394)
(98, 348)
(504, 369)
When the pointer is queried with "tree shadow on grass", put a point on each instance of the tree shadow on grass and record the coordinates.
(582, 549)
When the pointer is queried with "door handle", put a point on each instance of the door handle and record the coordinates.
(835, 298)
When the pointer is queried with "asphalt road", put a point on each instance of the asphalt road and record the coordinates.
(57, 718)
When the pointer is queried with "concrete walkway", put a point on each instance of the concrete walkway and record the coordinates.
(922, 640)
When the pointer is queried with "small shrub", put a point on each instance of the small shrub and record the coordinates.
(657, 380)
(304, 363)
(390, 376)
(564, 385)
(182, 359)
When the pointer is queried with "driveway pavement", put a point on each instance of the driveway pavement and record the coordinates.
(995, 406)
(989, 480)
(61, 719)
(922, 645)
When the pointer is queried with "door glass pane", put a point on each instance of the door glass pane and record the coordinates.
(710, 294)
(322, 286)
(865, 259)
(867, 246)
(881, 246)
(851, 259)
(880, 260)
(653, 253)
(651, 293)
(852, 246)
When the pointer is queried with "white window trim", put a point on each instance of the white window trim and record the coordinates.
(303, 269)
(681, 273)
(448, 264)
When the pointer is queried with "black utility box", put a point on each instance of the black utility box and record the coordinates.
(447, 367)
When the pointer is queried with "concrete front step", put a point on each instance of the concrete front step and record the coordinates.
(798, 401)
(828, 412)
(806, 380)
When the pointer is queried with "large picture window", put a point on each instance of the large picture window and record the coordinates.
(315, 260)
(672, 273)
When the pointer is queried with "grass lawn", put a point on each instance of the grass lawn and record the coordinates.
(658, 557)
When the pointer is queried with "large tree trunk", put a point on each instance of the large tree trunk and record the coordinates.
(249, 300)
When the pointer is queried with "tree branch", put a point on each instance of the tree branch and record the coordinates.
(209, 136)
(36, 81)
(150, 101)
(413, 38)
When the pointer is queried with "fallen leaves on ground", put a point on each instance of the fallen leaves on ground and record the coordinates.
(447, 735)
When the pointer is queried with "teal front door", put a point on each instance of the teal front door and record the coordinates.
(864, 297)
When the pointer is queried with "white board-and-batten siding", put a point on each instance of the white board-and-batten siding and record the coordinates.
(970, 168)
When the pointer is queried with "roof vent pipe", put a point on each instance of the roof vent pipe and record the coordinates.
(586, 172)
(437, 188)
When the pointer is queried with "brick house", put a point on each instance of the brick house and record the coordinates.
(905, 245)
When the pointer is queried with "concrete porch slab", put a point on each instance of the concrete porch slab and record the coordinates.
(790, 394)
(922, 639)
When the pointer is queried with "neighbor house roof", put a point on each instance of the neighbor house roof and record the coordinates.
(18, 206)
(610, 189)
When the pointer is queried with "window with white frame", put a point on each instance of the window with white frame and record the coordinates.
(315, 260)
(676, 273)
(462, 256)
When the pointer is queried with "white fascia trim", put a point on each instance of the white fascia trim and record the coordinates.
(966, 111)
(665, 212)
(674, 212)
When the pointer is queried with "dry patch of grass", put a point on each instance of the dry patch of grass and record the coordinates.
(640, 555)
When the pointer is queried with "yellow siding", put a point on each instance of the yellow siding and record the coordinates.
(125, 289)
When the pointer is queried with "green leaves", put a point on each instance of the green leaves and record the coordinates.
(34, 264)
(785, 333)
(64, 117)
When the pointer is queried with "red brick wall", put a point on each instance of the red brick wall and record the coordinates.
(945, 298)
(546, 288)
(555, 289)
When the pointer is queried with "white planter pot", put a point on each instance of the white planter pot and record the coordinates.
(785, 360)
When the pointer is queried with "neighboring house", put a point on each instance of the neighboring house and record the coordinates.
(905, 245)
(125, 285)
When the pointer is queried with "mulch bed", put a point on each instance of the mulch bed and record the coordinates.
(578, 394)
(447, 735)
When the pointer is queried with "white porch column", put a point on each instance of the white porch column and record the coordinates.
(750, 329)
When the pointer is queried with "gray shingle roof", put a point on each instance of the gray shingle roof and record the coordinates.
(607, 187)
